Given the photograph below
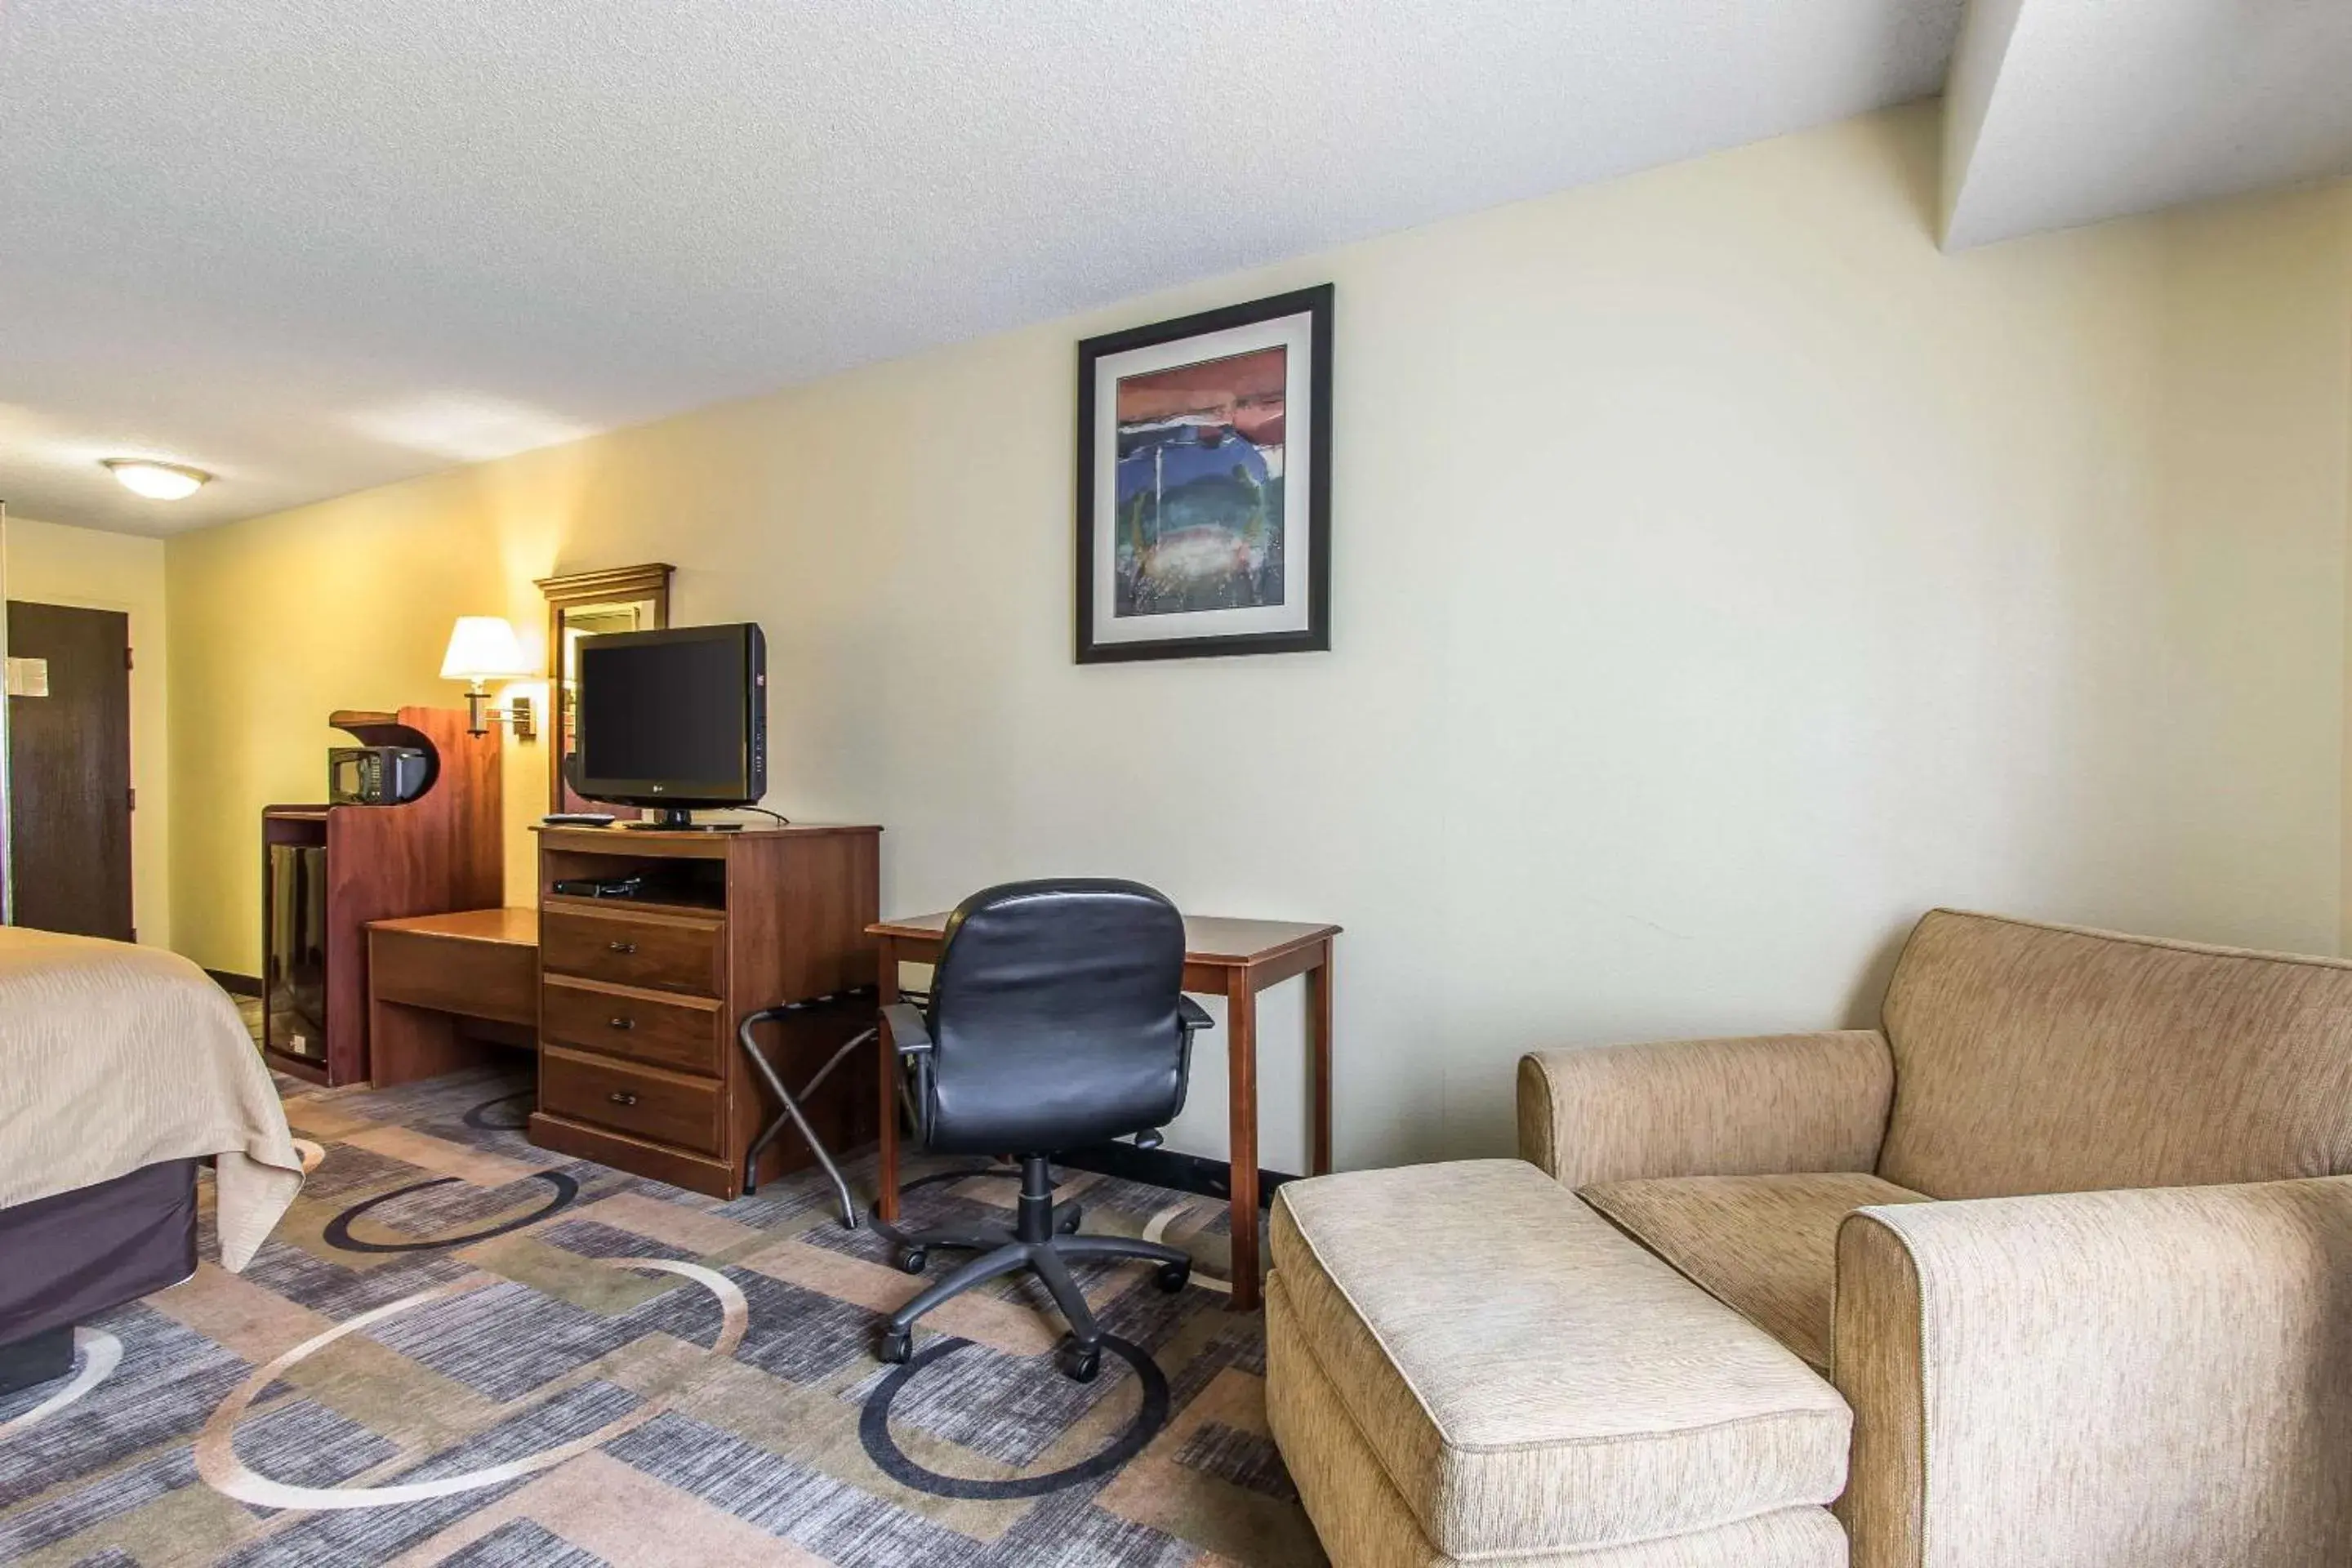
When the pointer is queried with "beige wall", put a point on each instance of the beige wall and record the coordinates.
(1722, 575)
(56, 565)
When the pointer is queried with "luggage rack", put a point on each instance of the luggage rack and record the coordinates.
(792, 1115)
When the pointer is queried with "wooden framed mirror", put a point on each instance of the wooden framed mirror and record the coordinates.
(586, 604)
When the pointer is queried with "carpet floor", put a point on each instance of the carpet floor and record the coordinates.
(461, 1349)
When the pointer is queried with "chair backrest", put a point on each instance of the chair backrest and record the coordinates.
(1054, 1018)
(2036, 1058)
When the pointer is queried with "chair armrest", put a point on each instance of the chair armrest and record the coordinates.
(1758, 1105)
(2157, 1376)
(908, 1032)
(1191, 1017)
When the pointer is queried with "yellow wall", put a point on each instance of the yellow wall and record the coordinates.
(1721, 576)
(280, 621)
(57, 565)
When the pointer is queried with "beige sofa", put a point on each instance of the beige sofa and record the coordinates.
(1753, 1336)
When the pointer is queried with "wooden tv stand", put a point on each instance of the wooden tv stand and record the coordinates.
(639, 997)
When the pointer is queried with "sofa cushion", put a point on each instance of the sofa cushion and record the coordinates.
(1531, 1380)
(1764, 1245)
(2036, 1058)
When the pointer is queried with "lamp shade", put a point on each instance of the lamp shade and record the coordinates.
(483, 648)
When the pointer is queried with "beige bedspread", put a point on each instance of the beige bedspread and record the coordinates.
(114, 1056)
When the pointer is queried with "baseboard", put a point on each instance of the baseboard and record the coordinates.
(234, 983)
(1166, 1168)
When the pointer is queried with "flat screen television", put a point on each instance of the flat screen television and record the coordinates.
(673, 720)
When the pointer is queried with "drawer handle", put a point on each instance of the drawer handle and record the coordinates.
(621, 947)
(620, 1097)
(622, 1023)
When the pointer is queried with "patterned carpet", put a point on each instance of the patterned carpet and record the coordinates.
(461, 1349)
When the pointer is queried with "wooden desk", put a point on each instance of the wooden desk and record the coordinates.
(1234, 959)
(442, 987)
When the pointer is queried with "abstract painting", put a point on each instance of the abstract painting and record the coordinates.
(1202, 493)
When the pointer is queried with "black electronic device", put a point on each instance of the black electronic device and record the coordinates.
(600, 887)
(577, 820)
(377, 775)
(673, 720)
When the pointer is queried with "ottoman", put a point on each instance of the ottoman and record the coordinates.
(1466, 1364)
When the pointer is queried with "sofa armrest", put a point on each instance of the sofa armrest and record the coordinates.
(2131, 1377)
(1759, 1106)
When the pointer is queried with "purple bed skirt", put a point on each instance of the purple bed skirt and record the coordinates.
(69, 1256)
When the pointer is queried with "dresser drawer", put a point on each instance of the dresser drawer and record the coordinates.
(684, 1033)
(664, 952)
(667, 1107)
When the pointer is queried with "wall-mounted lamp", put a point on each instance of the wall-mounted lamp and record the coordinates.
(483, 648)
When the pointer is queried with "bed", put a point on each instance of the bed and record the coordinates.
(122, 1068)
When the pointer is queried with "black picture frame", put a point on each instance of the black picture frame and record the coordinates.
(1317, 305)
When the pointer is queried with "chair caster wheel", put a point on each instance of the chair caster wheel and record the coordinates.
(1079, 1363)
(1068, 1222)
(914, 1260)
(1173, 1276)
(896, 1348)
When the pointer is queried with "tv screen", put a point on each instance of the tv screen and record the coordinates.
(673, 718)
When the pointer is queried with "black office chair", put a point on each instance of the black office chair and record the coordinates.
(1057, 1017)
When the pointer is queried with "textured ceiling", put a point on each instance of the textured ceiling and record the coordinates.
(315, 248)
(2071, 111)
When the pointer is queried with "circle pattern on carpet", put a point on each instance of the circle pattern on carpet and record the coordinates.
(874, 1429)
(339, 1229)
(217, 1463)
(98, 1352)
(485, 1118)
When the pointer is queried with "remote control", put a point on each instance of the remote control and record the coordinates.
(577, 820)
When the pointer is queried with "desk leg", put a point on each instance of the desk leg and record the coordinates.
(1241, 1063)
(1319, 1051)
(886, 1164)
(405, 1044)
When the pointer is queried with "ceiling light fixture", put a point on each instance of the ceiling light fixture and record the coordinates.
(157, 481)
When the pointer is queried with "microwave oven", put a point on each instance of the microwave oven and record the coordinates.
(376, 775)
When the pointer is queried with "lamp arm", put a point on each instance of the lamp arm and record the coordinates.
(478, 720)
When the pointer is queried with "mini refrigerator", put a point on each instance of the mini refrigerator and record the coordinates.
(295, 981)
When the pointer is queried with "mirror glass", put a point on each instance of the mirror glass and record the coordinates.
(587, 605)
(573, 622)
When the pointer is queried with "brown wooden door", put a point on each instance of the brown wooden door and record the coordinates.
(69, 772)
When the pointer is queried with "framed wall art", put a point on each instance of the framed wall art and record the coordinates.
(1204, 496)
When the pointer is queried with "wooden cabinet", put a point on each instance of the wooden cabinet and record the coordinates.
(640, 997)
(329, 870)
